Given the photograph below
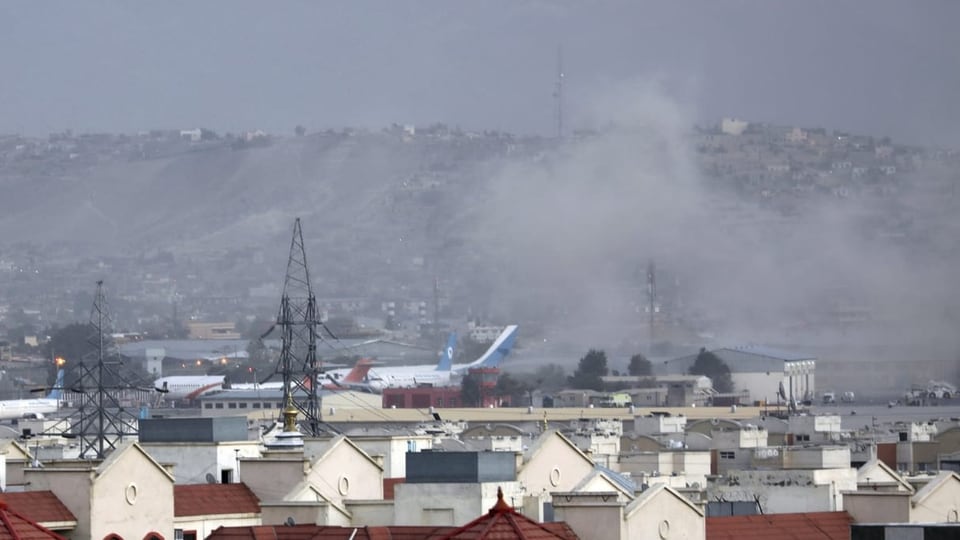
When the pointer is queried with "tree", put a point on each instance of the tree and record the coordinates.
(709, 364)
(639, 366)
(589, 370)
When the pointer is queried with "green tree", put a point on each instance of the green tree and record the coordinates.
(709, 364)
(639, 365)
(589, 370)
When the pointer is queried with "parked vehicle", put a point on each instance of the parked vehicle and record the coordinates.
(829, 397)
(848, 397)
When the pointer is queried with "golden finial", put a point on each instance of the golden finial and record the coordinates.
(290, 416)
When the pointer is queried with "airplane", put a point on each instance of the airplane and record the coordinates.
(353, 380)
(443, 373)
(188, 387)
(14, 409)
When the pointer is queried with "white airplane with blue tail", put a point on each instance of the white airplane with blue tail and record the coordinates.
(15, 409)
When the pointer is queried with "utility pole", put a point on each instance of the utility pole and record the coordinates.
(103, 420)
(299, 322)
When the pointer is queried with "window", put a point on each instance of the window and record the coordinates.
(153, 536)
(267, 405)
(728, 455)
(255, 404)
(226, 476)
(243, 405)
(208, 405)
(218, 405)
(231, 405)
(803, 438)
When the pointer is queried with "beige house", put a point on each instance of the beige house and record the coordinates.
(312, 485)
(128, 494)
(657, 513)
(936, 502)
(553, 463)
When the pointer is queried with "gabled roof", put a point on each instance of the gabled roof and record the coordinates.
(803, 526)
(614, 479)
(329, 446)
(16, 526)
(934, 485)
(541, 442)
(305, 491)
(650, 493)
(874, 472)
(502, 522)
(39, 506)
(14, 450)
(115, 456)
(213, 500)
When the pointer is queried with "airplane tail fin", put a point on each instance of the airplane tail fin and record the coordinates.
(498, 350)
(359, 372)
(446, 359)
(57, 391)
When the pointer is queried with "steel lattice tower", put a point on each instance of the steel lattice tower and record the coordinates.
(102, 421)
(299, 323)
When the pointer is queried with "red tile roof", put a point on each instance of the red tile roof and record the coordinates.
(39, 506)
(804, 526)
(15, 526)
(213, 500)
(502, 522)
(322, 532)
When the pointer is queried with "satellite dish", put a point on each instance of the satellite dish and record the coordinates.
(211, 479)
(290, 522)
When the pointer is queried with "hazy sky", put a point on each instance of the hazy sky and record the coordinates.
(877, 66)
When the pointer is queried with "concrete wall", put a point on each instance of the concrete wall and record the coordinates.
(270, 478)
(394, 451)
(593, 519)
(649, 425)
(320, 513)
(449, 504)
(788, 490)
(694, 466)
(193, 461)
(371, 513)
(878, 507)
